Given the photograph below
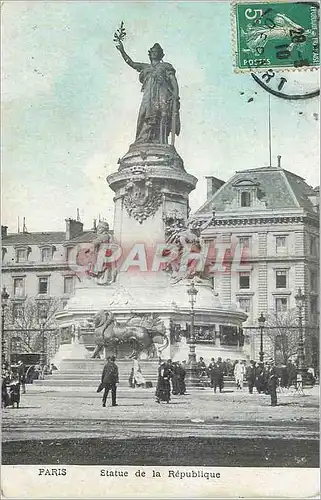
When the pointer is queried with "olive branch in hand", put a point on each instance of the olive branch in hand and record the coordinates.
(120, 34)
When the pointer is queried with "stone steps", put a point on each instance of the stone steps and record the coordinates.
(86, 373)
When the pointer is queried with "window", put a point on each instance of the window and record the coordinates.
(244, 280)
(18, 287)
(244, 241)
(17, 311)
(245, 199)
(43, 285)
(69, 253)
(245, 304)
(68, 285)
(313, 246)
(21, 255)
(281, 279)
(313, 281)
(281, 305)
(46, 254)
(280, 242)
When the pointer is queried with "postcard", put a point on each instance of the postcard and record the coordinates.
(160, 249)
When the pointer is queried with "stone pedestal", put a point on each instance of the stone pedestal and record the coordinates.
(151, 187)
(151, 183)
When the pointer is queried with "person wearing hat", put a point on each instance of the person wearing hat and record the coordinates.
(272, 382)
(109, 380)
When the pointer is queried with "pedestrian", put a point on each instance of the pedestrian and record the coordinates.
(229, 367)
(139, 380)
(14, 391)
(181, 372)
(260, 380)
(201, 367)
(251, 376)
(131, 379)
(22, 376)
(239, 371)
(210, 371)
(272, 383)
(292, 372)
(175, 379)
(163, 388)
(109, 380)
(221, 371)
(5, 399)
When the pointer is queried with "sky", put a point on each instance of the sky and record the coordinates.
(70, 104)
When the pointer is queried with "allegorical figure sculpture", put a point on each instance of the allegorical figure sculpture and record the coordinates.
(92, 260)
(159, 110)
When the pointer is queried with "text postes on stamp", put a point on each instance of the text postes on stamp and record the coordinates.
(281, 35)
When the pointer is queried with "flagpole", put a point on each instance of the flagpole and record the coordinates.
(270, 136)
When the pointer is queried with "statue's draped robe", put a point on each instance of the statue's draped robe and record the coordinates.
(154, 122)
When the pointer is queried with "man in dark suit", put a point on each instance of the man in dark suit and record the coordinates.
(251, 376)
(109, 380)
(272, 383)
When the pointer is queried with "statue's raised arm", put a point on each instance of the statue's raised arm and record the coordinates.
(159, 111)
(135, 65)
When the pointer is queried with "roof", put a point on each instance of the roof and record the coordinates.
(278, 188)
(45, 238)
(34, 238)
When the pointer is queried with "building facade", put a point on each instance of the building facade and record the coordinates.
(273, 215)
(37, 277)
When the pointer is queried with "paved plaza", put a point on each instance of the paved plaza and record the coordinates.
(232, 427)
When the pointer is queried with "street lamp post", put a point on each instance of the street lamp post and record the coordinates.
(4, 303)
(300, 301)
(261, 321)
(192, 378)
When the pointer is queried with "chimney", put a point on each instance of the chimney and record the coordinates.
(4, 231)
(24, 227)
(73, 228)
(213, 185)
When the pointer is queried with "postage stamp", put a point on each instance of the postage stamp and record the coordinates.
(276, 35)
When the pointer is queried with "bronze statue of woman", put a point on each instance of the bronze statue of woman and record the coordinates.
(159, 110)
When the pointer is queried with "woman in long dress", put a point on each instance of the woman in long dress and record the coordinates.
(163, 388)
(137, 374)
(159, 110)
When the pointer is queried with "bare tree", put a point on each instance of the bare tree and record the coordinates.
(23, 320)
(283, 333)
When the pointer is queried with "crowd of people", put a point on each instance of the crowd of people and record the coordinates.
(16, 376)
(265, 377)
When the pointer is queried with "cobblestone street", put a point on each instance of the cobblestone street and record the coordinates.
(63, 421)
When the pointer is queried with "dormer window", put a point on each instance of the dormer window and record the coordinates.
(248, 193)
(22, 254)
(46, 254)
(245, 199)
